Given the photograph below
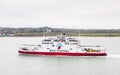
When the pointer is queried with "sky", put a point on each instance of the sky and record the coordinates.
(77, 14)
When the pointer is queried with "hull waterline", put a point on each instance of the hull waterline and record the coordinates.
(64, 53)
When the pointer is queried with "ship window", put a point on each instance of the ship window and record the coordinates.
(24, 48)
(52, 45)
(55, 40)
(47, 40)
(73, 41)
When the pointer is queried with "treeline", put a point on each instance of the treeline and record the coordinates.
(48, 31)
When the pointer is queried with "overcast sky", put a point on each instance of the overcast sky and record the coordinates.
(60, 13)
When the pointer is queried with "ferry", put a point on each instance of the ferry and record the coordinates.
(62, 46)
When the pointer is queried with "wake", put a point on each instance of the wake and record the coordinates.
(113, 56)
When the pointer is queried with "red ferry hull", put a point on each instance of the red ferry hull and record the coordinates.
(64, 53)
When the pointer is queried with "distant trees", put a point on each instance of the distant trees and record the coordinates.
(48, 31)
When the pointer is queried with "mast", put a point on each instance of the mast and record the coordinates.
(79, 33)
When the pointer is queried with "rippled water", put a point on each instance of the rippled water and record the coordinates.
(12, 63)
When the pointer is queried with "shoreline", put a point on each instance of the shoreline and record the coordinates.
(81, 35)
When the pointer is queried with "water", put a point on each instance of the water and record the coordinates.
(12, 63)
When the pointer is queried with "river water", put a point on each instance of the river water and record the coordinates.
(12, 63)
